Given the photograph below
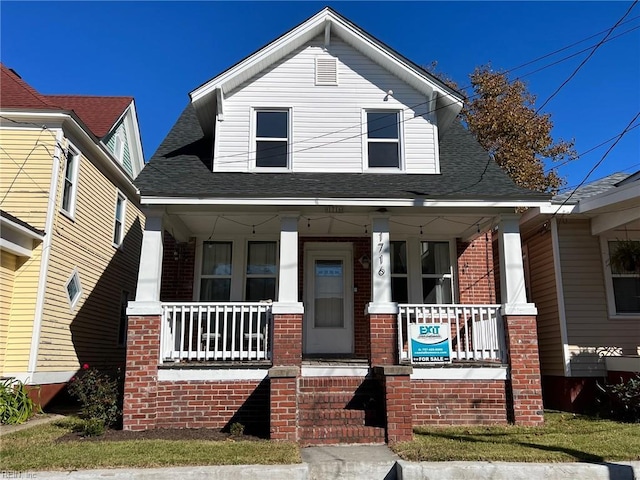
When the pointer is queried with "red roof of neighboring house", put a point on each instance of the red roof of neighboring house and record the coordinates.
(99, 114)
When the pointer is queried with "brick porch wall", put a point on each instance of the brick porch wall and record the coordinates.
(476, 281)
(526, 384)
(287, 339)
(177, 270)
(459, 402)
(361, 280)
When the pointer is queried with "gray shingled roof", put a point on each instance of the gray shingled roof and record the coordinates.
(590, 189)
(181, 167)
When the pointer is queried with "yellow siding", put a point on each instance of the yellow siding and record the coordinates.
(7, 271)
(25, 193)
(22, 313)
(590, 332)
(544, 295)
(89, 332)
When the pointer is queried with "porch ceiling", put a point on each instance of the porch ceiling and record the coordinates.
(436, 225)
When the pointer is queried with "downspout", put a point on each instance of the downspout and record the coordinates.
(44, 260)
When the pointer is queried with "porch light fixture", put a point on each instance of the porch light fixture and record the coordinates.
(365, 261)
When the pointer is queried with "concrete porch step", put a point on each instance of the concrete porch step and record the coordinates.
(340, 434)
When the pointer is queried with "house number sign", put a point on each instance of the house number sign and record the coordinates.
(381, 271)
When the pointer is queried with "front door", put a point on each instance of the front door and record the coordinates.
(328, 318)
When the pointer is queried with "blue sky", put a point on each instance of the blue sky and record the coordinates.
(159, 51)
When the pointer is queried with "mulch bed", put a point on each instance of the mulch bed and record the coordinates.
(158, 434)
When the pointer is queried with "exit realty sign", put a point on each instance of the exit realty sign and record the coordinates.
(430, 343)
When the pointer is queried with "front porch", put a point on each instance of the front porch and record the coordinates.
(317, 346)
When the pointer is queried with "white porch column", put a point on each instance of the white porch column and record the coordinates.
(512, 287)
(288, 274)
(381, 268)
(147, 300)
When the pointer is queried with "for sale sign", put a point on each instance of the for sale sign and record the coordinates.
(430, 343)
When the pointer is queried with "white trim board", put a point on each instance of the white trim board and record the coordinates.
(333, 371)
(210, 374)
(42, 378)
(471, 373)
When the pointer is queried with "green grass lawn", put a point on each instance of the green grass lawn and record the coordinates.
(35, 449)
(563, 438)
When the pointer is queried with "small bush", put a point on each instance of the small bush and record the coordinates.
(98, 394)
(624, 399)
(93, 427)
(236, 429)
(15, 404)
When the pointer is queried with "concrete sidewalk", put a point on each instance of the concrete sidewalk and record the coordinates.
(361, 462)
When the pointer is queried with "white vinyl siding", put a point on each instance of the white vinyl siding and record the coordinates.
(327, 129)
(591, 332)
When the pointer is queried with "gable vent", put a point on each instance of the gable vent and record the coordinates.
(326, 71)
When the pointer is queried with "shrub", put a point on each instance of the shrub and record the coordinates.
(15, 404)
(236, 429)
(97, 393)
(93, 427)
(624, 399)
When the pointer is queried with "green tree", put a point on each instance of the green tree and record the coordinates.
(501, 114)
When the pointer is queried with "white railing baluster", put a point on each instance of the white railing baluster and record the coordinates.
(477, 332)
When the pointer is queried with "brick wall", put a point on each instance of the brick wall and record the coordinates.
(459, 402)
(476, 281)
(526, 386)
(177, 270)
(284, 403)
(361, 281)
(384, 339)
(214, 404)
(287, 339)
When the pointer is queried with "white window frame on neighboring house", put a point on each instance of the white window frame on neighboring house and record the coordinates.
(74, 279)
(369, 138)
(119, 223)
(609, 275)
(70, 182)
(118, 146)
(124, 321)
(255, 139)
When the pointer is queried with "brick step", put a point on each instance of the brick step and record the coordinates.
(327, 417)
(333, 400)
(334, 435)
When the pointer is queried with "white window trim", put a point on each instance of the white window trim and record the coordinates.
(73, 302)
(126, 321)
(245, 259)
(414, 266)
(239, 259)
(608, 281)
(70, 213)
(365, 140)
(120, 195)
(118, 141)
(253, 139)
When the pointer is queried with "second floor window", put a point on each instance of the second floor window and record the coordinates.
(272, 138)
(70, 181)
(383, 139)
(118, 230)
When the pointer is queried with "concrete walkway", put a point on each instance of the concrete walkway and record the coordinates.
(40, 419)
(368, 462)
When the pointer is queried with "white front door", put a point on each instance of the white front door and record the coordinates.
(328, 318)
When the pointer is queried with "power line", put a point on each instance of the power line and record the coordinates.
(622, 134)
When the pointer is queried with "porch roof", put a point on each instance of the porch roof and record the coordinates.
(181, 167)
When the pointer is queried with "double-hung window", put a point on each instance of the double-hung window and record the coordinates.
(118, 229)
(70, 182)
(261, 271)
(272, 138)
(625, 285)
(216, 271)
(383, 139)
(399, 272)
(436, 272)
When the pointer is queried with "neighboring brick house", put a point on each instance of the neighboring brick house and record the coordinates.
(588, 311)
(71, 230)
(311, 206)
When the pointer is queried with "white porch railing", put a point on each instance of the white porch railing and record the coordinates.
(215, 331)
(477, 331)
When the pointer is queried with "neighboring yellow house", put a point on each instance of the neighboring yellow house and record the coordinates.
(71, 231)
